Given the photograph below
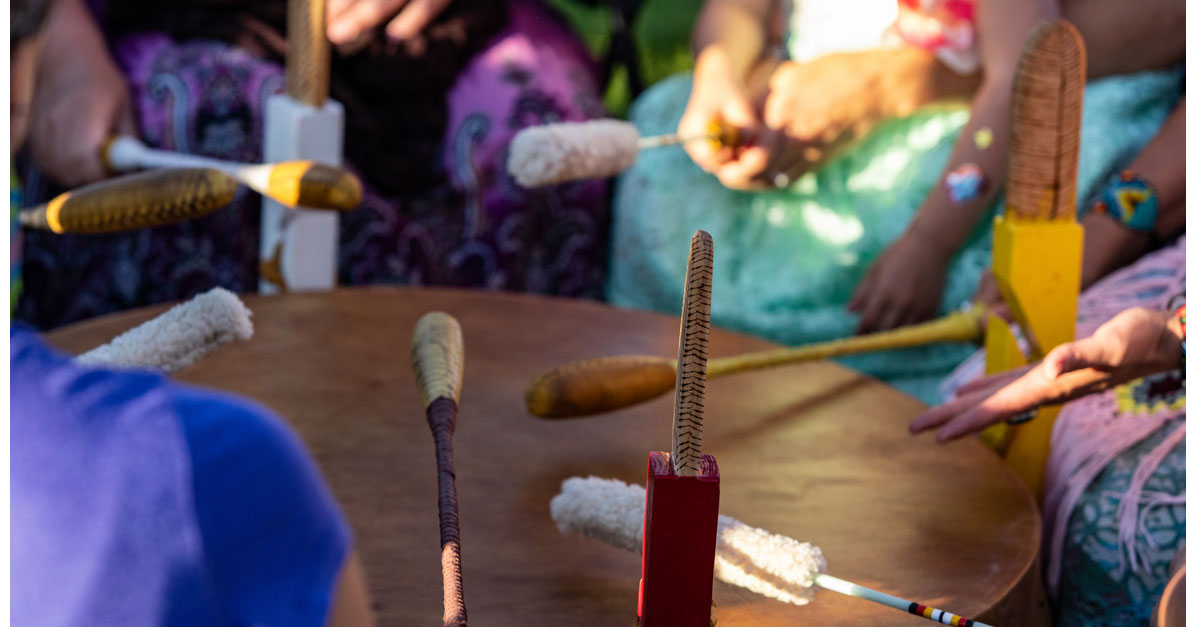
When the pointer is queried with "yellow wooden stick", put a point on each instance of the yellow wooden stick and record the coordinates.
(594, 386)
(136, 201)
(293, 184)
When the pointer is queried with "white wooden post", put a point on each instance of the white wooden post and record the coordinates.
(298, 249)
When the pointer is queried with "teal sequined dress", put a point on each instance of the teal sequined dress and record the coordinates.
(787, 261)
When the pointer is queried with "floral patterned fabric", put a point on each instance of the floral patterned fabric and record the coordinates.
(476, 229)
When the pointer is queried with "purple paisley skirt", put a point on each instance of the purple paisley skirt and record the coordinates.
(479, 229)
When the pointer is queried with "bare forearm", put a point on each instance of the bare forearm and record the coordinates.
(943, 224)
(1161, 163)
(1107, 244)
(734, 30)
(1004, 26)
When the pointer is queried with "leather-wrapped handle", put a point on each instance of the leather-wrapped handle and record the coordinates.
(136, 201)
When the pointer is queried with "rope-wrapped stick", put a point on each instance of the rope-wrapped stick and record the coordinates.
(179, 336)
(594, 386)
(769, 564)
(596, 149)
(437, 354)
(136, 201)
(300, 183)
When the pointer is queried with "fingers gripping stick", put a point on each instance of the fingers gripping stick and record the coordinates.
(437, 354)
(683, 488)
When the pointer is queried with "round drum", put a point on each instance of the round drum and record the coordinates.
(812, 451)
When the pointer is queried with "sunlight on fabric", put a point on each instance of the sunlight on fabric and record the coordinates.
(835, 229)
(776, 216)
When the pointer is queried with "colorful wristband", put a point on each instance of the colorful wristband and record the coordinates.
(1130, 200)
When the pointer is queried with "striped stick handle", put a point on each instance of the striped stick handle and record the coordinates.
(687, 427)
(136, 201)
(829, 582)
(307, 53)
(437, 354)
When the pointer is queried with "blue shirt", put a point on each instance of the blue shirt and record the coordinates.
(140, 501)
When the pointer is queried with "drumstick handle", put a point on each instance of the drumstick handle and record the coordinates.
(123, 153)
(437, 354)
(307, 53)
(442, 415)
(829, 582)
(962, 326)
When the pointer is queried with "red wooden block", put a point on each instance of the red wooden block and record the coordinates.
(679, 544)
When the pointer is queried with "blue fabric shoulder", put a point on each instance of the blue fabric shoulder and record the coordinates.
(273, 534)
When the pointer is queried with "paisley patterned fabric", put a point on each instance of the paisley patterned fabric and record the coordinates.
(475, 229)
(1099, 585)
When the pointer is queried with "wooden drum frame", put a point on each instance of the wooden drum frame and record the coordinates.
(813, 451)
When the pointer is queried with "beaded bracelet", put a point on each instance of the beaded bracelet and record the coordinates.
(1130, 200)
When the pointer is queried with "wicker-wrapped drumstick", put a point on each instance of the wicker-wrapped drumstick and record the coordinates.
(593, 386)
(136, 201)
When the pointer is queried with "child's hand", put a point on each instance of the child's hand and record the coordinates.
(717, 93)
(80, 98)
(1135, 343)
(903, 286)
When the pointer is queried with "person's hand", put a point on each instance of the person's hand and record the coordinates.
(903, 286)
(718, 94)
(80, 98)
(349, 22)
(1135, 343)
(989, 295)
(813, 109)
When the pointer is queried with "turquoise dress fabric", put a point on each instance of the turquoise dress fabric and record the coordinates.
(787, 261)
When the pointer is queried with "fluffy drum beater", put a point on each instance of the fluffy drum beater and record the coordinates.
(555, 153)
(178, 337)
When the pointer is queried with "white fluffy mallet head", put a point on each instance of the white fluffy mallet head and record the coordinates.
(179, 336)
(772, 565)
(569, 151)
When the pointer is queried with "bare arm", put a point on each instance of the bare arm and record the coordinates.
(735, 30)
(351, 602)
(1108, 245)
(904, 285)
(80, 97)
